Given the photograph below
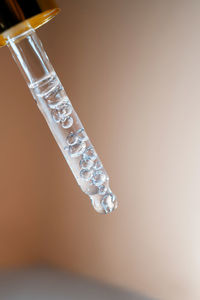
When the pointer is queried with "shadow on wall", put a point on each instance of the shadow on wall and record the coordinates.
(45, 283)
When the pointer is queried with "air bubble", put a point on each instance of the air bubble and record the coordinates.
(86, 163)
(72, 138)
(102, 189)
(67, 123)
(97, 165)
(55, 115)
(90, 153)
(77, 149)
(65, 109)
(86, 174)
(82, 135)
(55, 102)
(55, 96)
(98, 178)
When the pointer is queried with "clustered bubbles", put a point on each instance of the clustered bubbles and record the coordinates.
(78, 146)
(91, 168)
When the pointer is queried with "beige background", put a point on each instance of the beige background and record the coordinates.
(131, 69)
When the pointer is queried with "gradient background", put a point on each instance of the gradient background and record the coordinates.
(131, 69)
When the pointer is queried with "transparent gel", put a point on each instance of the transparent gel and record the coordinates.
(62, 120)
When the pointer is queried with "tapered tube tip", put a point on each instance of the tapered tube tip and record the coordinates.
(104, 204)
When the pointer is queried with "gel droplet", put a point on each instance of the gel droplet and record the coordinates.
(108, 202)
(77, 149)
(67, 123)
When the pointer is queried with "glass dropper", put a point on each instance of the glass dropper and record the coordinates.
(18, 21)
(53, 102)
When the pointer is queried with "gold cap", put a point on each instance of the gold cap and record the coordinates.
(17, 16)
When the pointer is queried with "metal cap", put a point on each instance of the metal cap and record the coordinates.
(17, 16)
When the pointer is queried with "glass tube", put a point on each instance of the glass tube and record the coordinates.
(54, 104)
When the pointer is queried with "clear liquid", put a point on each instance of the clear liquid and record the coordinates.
(73, 141)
